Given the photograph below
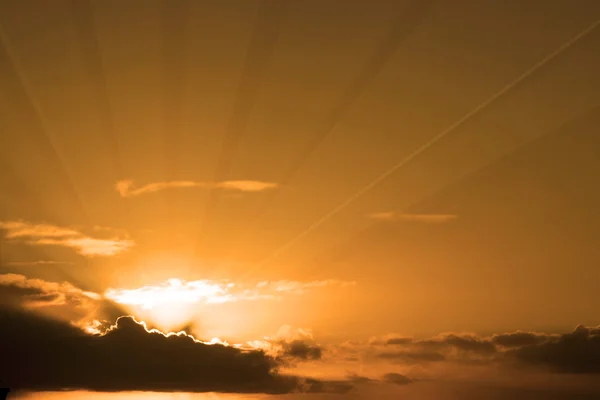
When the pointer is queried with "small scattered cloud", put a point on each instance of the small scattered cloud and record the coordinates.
(461, 342)
(301, 349)
(424, 218)
(51, 235)
(398, 340)
(390, 378)
(127, 188)
(396, 379)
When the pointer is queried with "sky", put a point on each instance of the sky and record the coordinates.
(264, 199)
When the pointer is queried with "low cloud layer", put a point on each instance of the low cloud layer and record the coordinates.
(127, 188)
(406, 217)
(56, 336)
(51, 341)
(45, 354)
(577, 352)
(33, 234)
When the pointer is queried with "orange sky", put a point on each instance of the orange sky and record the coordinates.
(349, 167)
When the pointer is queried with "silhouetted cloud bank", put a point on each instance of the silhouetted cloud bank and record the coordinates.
(46, 354)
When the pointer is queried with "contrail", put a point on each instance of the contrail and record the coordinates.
(585, 115)
(431, 142)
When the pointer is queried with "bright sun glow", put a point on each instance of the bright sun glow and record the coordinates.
(174, 291)
(174, 303)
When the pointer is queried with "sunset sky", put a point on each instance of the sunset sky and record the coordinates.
(375, 199)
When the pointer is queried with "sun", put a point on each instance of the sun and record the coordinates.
(171, 304)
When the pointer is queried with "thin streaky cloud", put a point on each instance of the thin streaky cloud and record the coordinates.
(425, 218)
(39, 262)
(51, 235)
(247, 186)
(431, 142)
(88, 246)
(127, 188)
(21, 229)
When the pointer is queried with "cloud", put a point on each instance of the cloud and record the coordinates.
(461, 342)
(391, 377)
(177, 291)
(39, 286)
(302, 349)
(44, 354)
(51, 235)
(127, 188)
(424, 218)
(575, 352)
(318, 386)
(520, 338)
(53, 341)
(289, 345)
(397, 379)
(411, 357)
(59, 300)
(398, 340)
(88, 246)
(39, 262)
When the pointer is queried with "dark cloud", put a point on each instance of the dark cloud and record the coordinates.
(358, 379)
(398, 340)
(301, 349)
(392, 377)
(40, 353)
(397, 379)
(575, 352)
(315, 386)
(519, 339)
(60, 300)
(468, 343)
(412, 356)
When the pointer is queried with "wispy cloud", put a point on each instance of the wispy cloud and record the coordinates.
(177, 291)
(425, 218)
(39, 262)
(127, 188)
(51, 235)
(39, 293)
